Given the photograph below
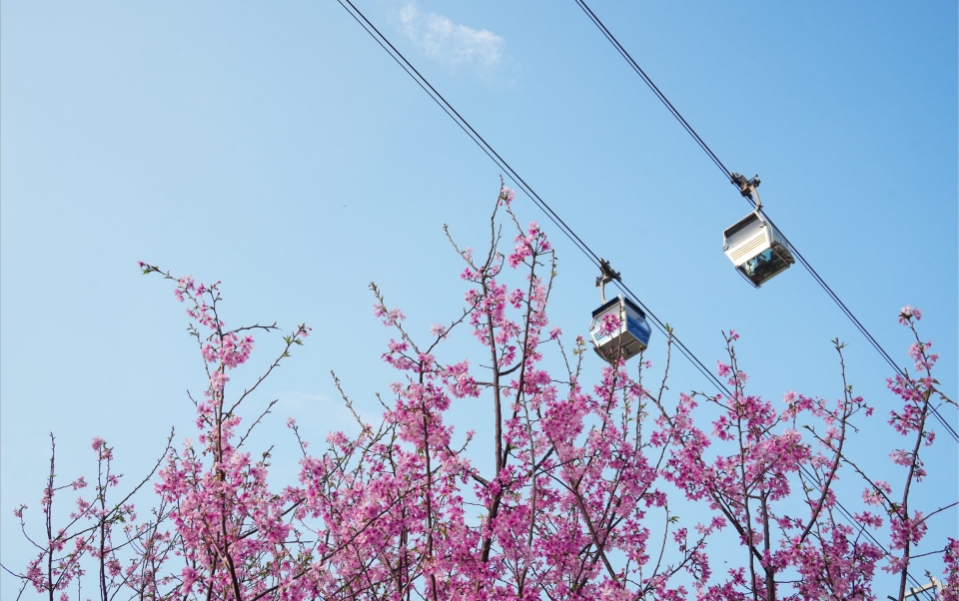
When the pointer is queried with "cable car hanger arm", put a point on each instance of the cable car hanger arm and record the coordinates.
(608, 275)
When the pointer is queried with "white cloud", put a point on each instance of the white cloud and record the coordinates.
(454, 45)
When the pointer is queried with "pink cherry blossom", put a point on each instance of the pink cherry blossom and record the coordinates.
(571, 498)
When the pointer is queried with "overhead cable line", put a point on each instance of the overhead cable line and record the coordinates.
(705, 147)
(438, 98)
(652, 86)
(487, 149)
(875, 344)
(729, 176)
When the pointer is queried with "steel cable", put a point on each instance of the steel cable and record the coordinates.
(552, 215)
(802, 260)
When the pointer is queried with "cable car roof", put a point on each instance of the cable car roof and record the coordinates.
(615, 301)
(741, 224)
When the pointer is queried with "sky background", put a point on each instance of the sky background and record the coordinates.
(279, 149)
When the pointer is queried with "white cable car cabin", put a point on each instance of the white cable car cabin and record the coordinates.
(756, 249)
(629, 339)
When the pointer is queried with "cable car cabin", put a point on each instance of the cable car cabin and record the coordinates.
(756, 249)
(629, 339)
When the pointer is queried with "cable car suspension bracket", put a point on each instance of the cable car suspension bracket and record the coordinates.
(608, 275)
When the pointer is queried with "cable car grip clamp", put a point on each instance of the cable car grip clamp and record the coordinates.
(747, 187)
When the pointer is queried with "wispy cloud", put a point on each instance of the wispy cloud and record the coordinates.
(448, 43)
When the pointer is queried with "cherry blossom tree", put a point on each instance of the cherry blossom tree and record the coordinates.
(579, 503)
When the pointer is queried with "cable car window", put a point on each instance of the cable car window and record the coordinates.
(763, 266)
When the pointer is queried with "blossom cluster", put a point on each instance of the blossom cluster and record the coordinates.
(575, 499)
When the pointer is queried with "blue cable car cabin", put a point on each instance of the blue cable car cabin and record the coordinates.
(629, 339)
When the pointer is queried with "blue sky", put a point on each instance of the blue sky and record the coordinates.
(279, 149)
